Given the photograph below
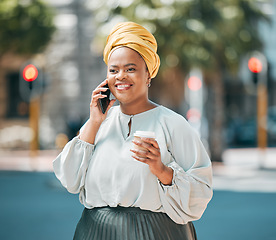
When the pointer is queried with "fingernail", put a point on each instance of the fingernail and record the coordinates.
(144, 138)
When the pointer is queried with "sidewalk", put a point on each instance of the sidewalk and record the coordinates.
(34, 205)
(41, 161)
(246, 170)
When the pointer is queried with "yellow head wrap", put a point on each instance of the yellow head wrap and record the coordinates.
(136, 37)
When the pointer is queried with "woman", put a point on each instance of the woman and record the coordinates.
(154, 193)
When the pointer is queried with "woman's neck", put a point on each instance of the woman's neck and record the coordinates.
(130, 109)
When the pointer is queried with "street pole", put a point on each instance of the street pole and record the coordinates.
(34, 125)
(30, 89)
(262, 120)
(258, 65)
(262, 116)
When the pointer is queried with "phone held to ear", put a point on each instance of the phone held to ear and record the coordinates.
(104, 102)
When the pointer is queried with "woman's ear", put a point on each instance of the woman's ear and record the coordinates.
(149, 81)
(148, 77)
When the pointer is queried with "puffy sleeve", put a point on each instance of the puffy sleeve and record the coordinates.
(71, 164)
(187, 198)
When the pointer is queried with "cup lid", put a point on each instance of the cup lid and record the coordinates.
(146, 134)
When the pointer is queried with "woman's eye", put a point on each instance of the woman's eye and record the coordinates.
(112, 70)
(131, 70)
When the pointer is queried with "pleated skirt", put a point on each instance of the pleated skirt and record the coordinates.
(121, 223)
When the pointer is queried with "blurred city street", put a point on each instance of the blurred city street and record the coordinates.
(35, 206)
(218, 70)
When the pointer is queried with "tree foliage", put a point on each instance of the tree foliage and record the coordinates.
(191, 33)
(26, 26)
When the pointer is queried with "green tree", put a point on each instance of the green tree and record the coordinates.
(26, 26)
(211, 35)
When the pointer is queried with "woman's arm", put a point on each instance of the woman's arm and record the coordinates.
(71, 164)
(187, 197)
(96, 116)
(90, 131)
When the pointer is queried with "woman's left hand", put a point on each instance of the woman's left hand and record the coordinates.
(152, 156)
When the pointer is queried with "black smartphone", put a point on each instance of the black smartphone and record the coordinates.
(104, 102)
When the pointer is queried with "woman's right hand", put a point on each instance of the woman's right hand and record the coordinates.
(91, 127)
(96, 114)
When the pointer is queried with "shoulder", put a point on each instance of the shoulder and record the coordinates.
(168, 115)
(113, 111)
(174, 123)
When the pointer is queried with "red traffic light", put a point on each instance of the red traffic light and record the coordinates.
(193, 115)
(30, 73)
(194, 83)
(255, 65)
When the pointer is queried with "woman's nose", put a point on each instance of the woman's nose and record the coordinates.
(120, 75)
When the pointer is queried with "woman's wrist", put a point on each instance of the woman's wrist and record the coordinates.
(164, 174)
(90, 131)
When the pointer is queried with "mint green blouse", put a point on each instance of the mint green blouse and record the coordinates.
(105, 174)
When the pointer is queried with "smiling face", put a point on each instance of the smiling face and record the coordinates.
(128, 77)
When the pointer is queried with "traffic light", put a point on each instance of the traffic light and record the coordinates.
(30, 88)
(30, 73)
(194, 98)
(257, 65)
(30, 82)
(194, 83)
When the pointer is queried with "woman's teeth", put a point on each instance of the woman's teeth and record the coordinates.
(123, 86)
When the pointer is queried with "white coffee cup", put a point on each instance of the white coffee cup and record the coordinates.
(142, 134)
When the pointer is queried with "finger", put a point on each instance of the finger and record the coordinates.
(100, 87)
(140, 159)
(144, 155)
(141, 144)
(98, 96)
(154, 151)
(140, 153)
(151, 141)
(148, 146)
(102, 83)
(95, 100)
(99, 90)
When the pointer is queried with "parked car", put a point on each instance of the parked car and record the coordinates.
(243, 133)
